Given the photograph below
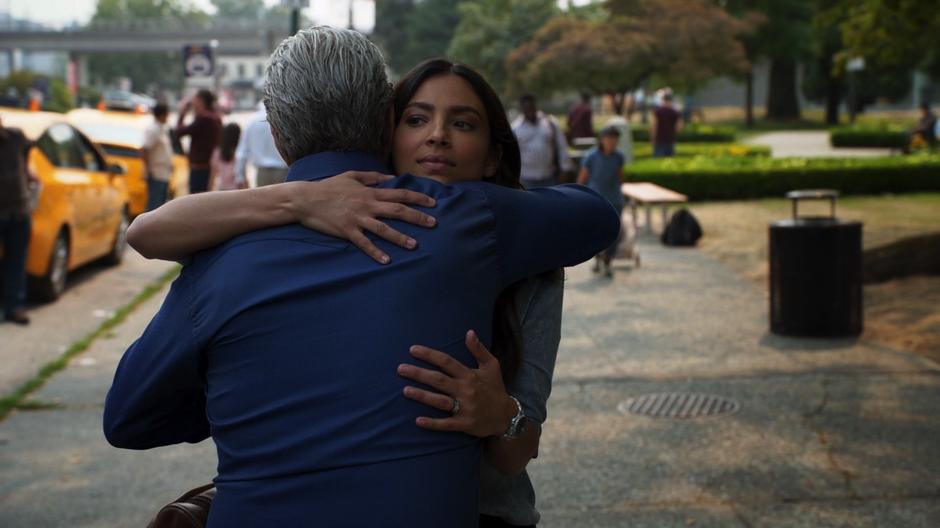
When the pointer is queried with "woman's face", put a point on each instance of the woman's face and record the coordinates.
(444, 133)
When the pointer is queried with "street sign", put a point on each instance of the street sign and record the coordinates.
(198, 60)
(295, 4)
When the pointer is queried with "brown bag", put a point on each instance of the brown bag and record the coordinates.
(189, 511)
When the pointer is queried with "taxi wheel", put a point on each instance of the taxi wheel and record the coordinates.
(120, 242)
(50, 287)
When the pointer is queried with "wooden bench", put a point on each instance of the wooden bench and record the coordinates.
(650, 194)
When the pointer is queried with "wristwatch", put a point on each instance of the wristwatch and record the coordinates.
(517, 425)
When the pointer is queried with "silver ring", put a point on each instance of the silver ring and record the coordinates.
(456, 408)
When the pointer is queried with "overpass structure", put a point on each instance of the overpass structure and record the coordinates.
(229, 38)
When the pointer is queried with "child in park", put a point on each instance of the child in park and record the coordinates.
(602, 172)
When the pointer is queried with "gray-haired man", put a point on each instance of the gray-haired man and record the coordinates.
(283, 344)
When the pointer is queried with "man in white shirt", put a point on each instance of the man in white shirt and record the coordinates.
(257, 146)
(542, 145)
(158, 157)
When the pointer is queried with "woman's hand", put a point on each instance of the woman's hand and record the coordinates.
(344, 206)
(485, 408)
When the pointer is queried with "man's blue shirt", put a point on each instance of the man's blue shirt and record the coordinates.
(282, 344)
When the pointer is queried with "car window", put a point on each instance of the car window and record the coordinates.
(90, 155)
(67, 147)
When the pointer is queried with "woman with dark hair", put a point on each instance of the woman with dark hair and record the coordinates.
(449, 126)
(223, 160)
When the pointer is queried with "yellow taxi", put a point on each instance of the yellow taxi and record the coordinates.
(121, 136)
(81, 206)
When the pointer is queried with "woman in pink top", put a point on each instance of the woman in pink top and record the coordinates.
(223, 161)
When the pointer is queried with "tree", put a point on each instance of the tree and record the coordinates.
(894, 38)
(244, 9)
(784, 39)
(430, 29)
(391, 32)
(490, 29)
(684, 41)
(143, 69)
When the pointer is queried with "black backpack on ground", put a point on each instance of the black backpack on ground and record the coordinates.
(683, 230)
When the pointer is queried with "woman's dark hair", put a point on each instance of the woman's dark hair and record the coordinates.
(502, 139)
(228, 141)
(507, 339)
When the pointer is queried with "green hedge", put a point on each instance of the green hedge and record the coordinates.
(694, 133)
(703, 178)
(877, 136)
(687, 150)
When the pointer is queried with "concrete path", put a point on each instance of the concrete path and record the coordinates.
(810, 144)
(92, 295)
(829, 433)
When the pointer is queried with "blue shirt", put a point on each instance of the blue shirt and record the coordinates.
(282, 344)
(604, 174)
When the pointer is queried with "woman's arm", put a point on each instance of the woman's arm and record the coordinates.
(342, 206)
(486, 409)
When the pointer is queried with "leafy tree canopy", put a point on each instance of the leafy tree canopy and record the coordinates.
(490, 29)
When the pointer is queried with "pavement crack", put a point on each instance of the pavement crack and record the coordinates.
(834, 466)
(738, 515)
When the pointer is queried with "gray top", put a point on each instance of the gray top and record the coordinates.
(538, 303)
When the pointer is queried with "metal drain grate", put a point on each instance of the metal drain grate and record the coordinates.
(678, 405)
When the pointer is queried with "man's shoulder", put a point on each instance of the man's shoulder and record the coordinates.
(246, 248)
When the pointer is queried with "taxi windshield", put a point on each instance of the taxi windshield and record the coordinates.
(111, 133)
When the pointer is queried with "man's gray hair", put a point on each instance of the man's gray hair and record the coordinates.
(327, 89)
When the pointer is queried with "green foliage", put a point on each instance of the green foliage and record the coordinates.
(733, 178)
(490, 29)
(20, 81)
(143, 69)
(248, 9)
(18, 397)
(60, 98)
(883, 135)
(900, 33)
(409, 31)
(685, 42)
(713, 150)
(694, 133)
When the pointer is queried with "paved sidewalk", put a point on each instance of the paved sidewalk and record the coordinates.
(829, 433)
(93, 294)
(810, 144)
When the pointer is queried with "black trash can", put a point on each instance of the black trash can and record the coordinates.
(815, 272)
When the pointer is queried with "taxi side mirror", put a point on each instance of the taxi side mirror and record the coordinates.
(116, 169)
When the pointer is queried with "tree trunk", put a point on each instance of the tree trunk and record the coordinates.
(749, 98)
(782, 102)
(833, 99)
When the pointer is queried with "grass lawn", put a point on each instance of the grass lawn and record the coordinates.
(903, 313)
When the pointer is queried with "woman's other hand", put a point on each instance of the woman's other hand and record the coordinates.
(345, 206)
(485, 407)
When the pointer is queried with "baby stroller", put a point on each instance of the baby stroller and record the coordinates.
(627, 247)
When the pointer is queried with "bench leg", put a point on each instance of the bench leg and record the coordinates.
(649, 219)
(665, 209)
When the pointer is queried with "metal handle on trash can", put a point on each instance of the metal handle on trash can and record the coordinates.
(814, 194)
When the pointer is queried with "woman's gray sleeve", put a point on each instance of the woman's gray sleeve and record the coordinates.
(539, 304)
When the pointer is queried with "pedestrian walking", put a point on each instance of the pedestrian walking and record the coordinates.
(158, 157)
(204, 131)
(15, 222)
(542, 145)
(581, 120)
(223, 161)
(665, 127)
(257, 147)
(602, 172)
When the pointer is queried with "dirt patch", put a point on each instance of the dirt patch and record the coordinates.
(901, 313)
